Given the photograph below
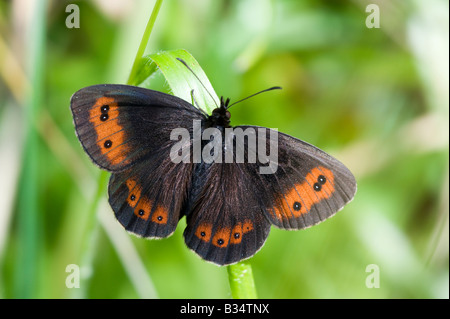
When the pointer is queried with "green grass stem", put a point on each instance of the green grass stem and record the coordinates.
(27, 278)
(144, 42)
(240, 277)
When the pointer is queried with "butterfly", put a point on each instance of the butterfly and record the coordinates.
(229, 206)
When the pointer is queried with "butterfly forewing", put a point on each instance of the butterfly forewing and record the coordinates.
(307, 187)
(119, 125)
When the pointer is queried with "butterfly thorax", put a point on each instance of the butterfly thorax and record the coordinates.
(220, 117)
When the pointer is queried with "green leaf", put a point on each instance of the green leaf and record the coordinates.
(180, 79)
(146, 67)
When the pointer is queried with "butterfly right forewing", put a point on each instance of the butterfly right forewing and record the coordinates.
(307, 187)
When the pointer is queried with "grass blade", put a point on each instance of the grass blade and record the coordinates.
(27, 271)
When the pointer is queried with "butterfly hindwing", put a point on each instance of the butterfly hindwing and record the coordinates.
(119, 125)
(147, 200)
(225, 223)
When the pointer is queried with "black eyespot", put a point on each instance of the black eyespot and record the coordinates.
(220, 242)
(107, 144)
(132, 197)
(104, 117)
(104, 108)
(203, 234)
(159, 218)
(317, 187)
(141, 212)
(321, 179)
(297, 206)
(237, 235)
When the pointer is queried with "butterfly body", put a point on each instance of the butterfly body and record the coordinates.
(231, 199)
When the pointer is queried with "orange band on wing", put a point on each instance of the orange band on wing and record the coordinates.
(160, 215)
(134, 192)
(318, 185)
(236, 234)
(143, 208)
(110, 135)
(203, 232)
(221, 237)
(239, 230)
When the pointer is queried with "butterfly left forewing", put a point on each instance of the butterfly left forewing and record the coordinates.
(120, 125)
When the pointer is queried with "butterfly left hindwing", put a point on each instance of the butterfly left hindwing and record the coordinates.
(147, 200)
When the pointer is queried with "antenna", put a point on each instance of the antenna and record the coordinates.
(195, 103)
(185, 64)
(269, 89)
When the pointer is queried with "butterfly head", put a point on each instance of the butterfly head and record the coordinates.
(221, 116)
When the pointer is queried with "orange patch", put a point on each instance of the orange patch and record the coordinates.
(110, 134)
(302, 197)
(236, 234)
(143, 208)
(160, 215)
(221, 237)
(248, 226)
(203, 232)
(134, 192)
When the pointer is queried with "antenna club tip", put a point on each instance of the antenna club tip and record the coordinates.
(182, 61)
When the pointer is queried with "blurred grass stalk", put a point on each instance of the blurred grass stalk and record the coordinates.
(27, 262)
(143, 44)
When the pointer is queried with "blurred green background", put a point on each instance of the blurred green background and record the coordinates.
(375, 98)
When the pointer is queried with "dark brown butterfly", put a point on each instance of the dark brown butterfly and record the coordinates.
(229, 205)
